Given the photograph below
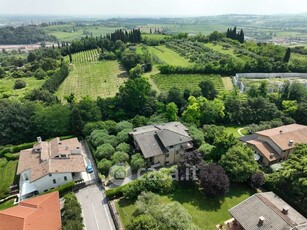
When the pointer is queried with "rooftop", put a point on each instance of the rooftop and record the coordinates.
(55, 156)
(284, 134)
(268, 208)
(154, 139)
(39, 213)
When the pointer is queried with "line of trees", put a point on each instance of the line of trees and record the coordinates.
(232, 34)
(133, 36)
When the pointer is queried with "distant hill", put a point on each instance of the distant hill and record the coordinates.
(23, 35)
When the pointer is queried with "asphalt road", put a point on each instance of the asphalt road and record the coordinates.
(95, 210)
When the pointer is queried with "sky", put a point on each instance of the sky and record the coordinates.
(166, 8)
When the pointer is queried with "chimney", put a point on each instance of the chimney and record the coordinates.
(271, 155)
(290, 142)
(261, 220)
(285, 210)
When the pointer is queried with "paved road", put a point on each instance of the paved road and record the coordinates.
(95, 210)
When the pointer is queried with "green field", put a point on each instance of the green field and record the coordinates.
(168, 56)
(155, 36)
(206, 213)
(185, 81)
(7, 84)
(93, 79)
(84, 57)
(221, 49)
(7, 175)
(69, 32)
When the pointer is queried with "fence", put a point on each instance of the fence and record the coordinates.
(114, 215)
(237, 82)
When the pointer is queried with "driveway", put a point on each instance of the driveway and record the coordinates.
(95, 211)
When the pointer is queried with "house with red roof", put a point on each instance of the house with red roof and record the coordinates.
(38, 213)
(49, 164)
(275, 145)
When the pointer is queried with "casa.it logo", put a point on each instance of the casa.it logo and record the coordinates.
(119, 173)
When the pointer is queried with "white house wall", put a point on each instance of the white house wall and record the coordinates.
(46, 182)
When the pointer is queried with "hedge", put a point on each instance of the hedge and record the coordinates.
(15, 148)
(63, 189)
(114, 193)
(11, 157)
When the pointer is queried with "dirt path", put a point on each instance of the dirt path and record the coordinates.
(239, 131)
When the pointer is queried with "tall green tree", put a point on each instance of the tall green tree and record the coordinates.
(171, 111)
(208, 89)
(287, 55)
(239, 163)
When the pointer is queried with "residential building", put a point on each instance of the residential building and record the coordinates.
(275, 145)
(38, 213)
(162, 144)
(49, 164)
(265, 211)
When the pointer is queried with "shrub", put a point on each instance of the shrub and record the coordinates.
(123, 125)
(123, 136)
(72, 213)
(104, 165)
(137, 162)
(156, 181)
(19, 84)
(114, 193)
(123, 147)
(119, 157)
(257, 179)
(40, 74)
(104, 151)
(64, 189)
(11, 157)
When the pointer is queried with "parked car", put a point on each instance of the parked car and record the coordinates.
(89, 168)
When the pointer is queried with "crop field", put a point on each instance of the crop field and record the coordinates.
(155, 36)
(93, 79)
(7, 86)
(168, 56)
(185, 81)
(195, 51)
(84, 57)
(222, 49)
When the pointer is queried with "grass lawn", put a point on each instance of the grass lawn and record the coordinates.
(7, 175)
(7, 84)
(169, 56)
(185, 81)
(93, 79)
(234, 130)
(7, 204)
(206, 213)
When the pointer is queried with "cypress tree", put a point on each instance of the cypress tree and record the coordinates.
(287, 55)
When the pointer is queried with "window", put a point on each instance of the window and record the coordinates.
(45, 190)
(26, 177)
(167, 154)
(54, 181)
(50, 174)
(65, 177)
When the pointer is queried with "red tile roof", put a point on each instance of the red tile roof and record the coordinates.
(267, 151)
(38, 213)
(283, 134)
(47, 160)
